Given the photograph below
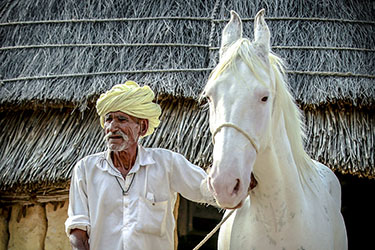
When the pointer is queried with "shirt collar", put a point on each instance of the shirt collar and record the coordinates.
(144, 158)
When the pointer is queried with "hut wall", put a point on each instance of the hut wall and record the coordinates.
(56, 238)
(34, 227)
(4, 235)
(27, 227)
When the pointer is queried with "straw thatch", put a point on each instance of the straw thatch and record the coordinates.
(58, 56)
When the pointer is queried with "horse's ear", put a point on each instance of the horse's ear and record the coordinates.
(261, 32)
(231, 33)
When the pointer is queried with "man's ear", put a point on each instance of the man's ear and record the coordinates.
(143, 127)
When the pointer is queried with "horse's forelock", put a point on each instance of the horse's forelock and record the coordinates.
(245, 50)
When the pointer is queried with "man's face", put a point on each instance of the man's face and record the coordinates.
(121, 131)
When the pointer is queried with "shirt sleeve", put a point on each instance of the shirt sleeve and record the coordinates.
(78, 210)
(187, 179)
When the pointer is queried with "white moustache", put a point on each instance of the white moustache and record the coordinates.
(118, 133)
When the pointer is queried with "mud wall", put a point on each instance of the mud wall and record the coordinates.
(34, 227)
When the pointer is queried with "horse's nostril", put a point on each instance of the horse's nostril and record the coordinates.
(236, 187)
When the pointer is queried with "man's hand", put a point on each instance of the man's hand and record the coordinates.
(208, 196)
(79, 240)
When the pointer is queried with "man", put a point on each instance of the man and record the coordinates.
(124, 198)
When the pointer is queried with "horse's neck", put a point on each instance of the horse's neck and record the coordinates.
(276, 170)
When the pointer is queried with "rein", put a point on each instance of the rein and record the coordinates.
(208, 236)
(213, 231)
(243, 132)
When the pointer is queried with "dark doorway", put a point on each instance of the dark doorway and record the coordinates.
(358, 207)
(195, 221)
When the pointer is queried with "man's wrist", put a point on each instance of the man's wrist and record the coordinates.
(79, 239)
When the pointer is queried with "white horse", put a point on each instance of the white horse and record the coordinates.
(257, 130)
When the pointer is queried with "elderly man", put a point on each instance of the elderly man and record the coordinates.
(124, 198)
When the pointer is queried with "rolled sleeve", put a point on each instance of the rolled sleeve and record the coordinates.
(187, 178)
(77, 222)
(78, 211)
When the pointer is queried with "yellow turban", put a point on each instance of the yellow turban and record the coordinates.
(131, 99)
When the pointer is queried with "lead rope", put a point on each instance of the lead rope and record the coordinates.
(253, 143)
(208, 236)
(213, 231)
(253, 184)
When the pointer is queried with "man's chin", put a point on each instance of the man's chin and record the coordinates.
(116, 147)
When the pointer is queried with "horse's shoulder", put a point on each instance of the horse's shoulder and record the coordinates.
(330, 180)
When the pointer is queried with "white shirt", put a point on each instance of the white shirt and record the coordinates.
(142, 218)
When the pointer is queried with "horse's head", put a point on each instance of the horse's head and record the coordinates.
(240, 92)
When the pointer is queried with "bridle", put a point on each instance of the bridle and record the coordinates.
(243, 132)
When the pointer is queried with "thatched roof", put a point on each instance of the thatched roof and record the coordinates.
(58, 56)
(60, 52)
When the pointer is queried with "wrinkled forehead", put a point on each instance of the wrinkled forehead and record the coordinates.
(120, 114)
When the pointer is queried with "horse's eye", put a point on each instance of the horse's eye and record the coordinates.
(265, 98)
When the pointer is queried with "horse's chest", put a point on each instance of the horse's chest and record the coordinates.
(276, 228)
